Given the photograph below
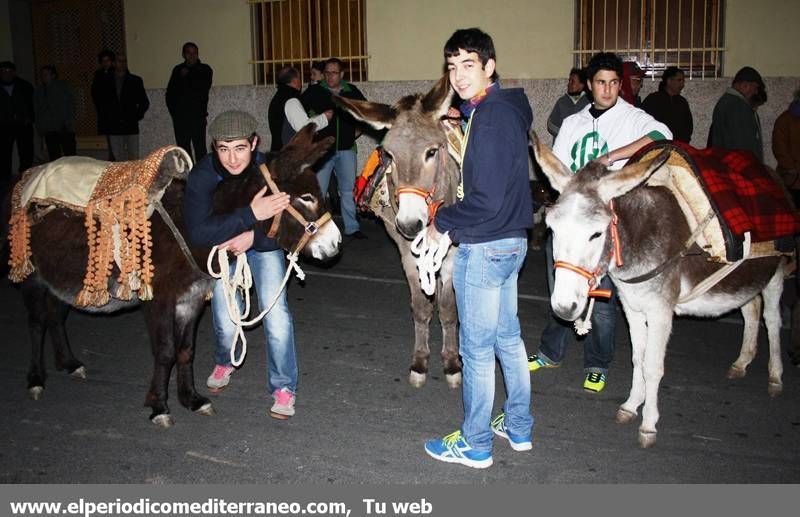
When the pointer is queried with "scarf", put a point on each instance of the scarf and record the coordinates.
(469, 106)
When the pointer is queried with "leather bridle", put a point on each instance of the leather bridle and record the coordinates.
(309, 228)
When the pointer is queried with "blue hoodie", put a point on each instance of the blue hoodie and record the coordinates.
(497, 196)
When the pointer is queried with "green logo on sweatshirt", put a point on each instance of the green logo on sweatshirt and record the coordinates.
(587, 149)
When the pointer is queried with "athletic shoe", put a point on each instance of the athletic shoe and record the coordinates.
(535, 362)
(594, 382)
(517, 442)
(220, 377)
(454, 448)
(283, 408)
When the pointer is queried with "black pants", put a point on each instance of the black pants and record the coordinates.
(23, 136)
(191, 133)
(60, 143)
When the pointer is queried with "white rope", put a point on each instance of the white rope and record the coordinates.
(242, 281)
(582, 327)
(429, 259)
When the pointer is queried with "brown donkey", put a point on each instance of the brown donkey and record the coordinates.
(59, 256)
(422, 176)
(652, 231)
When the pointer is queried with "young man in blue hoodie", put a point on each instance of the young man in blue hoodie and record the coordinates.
(488, 222)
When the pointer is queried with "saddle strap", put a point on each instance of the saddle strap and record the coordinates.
(178, 237)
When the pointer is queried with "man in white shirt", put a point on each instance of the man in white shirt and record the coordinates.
(609, 130)
(286, 114)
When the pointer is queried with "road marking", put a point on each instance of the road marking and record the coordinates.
(530, 297)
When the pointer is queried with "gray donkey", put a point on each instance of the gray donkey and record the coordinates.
(423, 175)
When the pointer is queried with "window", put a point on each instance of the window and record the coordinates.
(654, 33)
(300, 32)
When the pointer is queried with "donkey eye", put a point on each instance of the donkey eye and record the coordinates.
(430, 153)
(595, 235)
(307, 198)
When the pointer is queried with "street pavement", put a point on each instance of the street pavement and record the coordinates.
(359, 421)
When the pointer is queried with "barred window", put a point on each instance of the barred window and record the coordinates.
(654, 33)
(300, 32)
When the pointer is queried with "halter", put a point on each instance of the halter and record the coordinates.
(309, 228)
(427, 195)
(592, 276)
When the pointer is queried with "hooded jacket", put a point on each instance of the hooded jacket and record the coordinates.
(204, 227)
(497, 197)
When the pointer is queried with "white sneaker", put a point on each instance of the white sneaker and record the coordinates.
(283, 408)
(220, 377)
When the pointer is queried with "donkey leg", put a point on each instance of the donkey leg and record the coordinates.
(421, 311)
(448, 317)
(637, 323)
(659, 326)
(751, 312)
(33, 295)
(160, 319)
(772, 318)
(187, 315)
(57, 312)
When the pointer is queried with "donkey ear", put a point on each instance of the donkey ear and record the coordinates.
(438, 100)
(377, 115)
(317, 150)
(626, 179)
(558, 173)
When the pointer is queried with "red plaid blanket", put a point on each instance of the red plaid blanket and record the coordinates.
(743, 191)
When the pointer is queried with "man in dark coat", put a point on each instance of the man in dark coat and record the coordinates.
(55, 114)
(317, 99)
(286, 114)
(127, 106)
(16, 122)
(735, 124)
(187, 101)
(102, 88)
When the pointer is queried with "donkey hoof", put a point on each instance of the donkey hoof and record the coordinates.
(774, 388)
(734, 372)
(416, 379)
(79, 373)
(647, 439)
(206, 409)
(624, 416)
(36, 392)
(163, 420)
(453, 380)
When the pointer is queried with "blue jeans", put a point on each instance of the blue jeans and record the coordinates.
(485, 282)
(598, 346)
(268, 268)
(344, 163)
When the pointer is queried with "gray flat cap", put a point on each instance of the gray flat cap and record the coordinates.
(232, 125)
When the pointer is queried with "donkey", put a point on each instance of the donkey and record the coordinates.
(423, 176)
(652, 231)
(179, 287)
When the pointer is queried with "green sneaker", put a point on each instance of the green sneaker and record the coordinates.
(535, 362)
(594, 382)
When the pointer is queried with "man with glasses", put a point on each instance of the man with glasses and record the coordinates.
(341, 159)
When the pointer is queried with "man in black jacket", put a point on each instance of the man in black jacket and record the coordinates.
(187, 100)
(318, 99)
(102, 88)
(127, 104)
(16, 122)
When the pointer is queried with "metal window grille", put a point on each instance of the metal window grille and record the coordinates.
(654, 33)
(299, 32)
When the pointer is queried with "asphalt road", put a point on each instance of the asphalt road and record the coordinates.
(359, 421)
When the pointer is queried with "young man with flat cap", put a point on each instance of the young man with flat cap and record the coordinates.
(234, 145)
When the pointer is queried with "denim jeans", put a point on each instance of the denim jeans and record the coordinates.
(344, 163)
(598, 346)
(268, 268)
(485, 282)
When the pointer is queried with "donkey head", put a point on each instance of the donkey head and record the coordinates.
(581, 222)
(291, 171)
(417, 144)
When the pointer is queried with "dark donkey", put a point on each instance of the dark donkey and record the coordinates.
(422, 176)
(179, 289)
